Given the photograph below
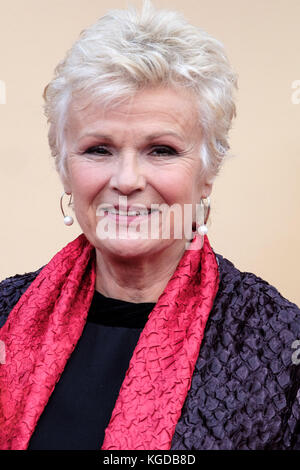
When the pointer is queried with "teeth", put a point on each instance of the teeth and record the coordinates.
(115, 211)
(112, 211)
(131, 213)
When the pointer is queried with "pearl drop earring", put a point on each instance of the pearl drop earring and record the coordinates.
(68, 220)
(202, 229)
(202, 216)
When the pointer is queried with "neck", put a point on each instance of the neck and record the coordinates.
(137, 280)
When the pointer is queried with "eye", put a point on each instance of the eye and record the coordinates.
(98, 150)
(162, 150)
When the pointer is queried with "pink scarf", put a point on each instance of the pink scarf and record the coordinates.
(45, 325)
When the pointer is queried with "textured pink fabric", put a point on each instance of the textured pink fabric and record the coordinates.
(160, 371)
(45, 325)
(39, 335)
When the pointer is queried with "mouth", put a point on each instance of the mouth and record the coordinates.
(130, 212)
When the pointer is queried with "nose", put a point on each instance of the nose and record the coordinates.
(128, 177)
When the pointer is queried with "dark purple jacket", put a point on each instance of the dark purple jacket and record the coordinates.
(245, 390)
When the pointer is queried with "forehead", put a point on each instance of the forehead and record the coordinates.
(175, 108)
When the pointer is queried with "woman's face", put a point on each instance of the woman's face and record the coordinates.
(140, 153)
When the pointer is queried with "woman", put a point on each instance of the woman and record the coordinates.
(136, 335)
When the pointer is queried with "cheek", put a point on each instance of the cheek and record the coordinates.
(87, 181)
(180, 185)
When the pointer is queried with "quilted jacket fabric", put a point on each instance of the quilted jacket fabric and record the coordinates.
(245, 390)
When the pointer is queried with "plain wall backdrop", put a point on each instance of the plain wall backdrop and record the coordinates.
(256, 198)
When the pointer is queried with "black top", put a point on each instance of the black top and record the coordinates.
(81, 404)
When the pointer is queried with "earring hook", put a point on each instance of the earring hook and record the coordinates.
(68, 220)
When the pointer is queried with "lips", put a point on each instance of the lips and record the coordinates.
(132, 211)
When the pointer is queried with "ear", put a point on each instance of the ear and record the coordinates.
(67, 189)
(66, 184)
(206, 180)
(206, 189)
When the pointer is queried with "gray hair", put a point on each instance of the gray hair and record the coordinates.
(126, 51)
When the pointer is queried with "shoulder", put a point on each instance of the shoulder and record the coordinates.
(240, 288)
(245, 389)
(255, 314)
(11, 289)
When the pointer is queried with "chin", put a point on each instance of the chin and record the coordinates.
(131, 248)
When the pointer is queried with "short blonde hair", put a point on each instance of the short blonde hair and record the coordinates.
(127, 50)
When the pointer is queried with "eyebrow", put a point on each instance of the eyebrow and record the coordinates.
(150, 137)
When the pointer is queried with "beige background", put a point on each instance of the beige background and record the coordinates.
(255, 202)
